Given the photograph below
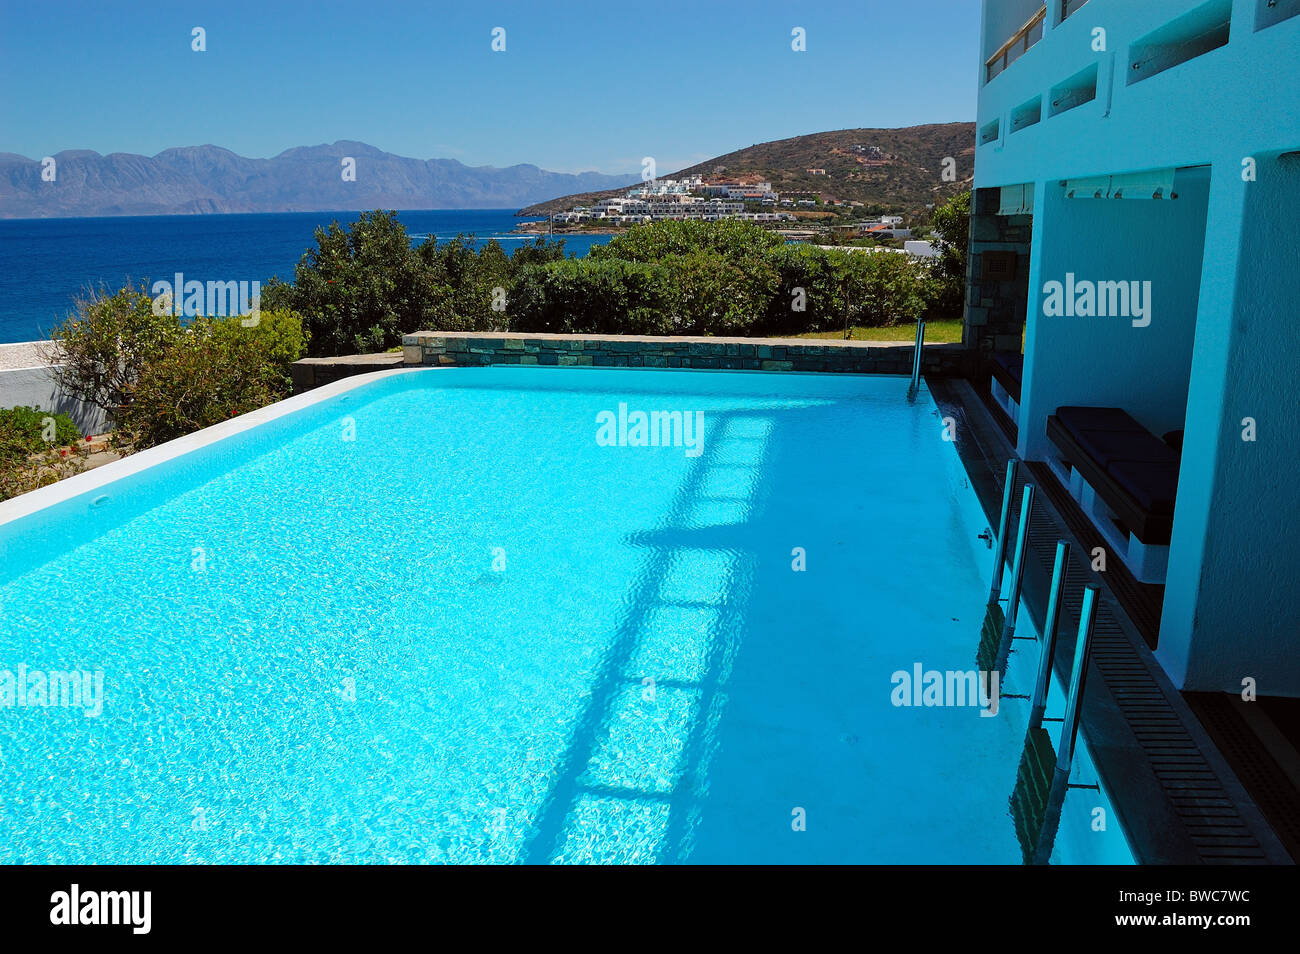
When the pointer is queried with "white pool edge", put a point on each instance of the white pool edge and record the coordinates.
(35, 500)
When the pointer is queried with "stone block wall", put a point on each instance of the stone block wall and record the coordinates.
(311, 373)
(996, 308)
(468, 349)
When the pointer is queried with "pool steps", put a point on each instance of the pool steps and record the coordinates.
(1043, 777)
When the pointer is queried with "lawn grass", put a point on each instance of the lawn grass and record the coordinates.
(936, 332)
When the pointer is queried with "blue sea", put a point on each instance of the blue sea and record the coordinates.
(46, 263)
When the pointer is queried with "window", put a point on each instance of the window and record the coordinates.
(1070, 6)
(1078, 89)
(1026, 114)
(1275, 11)
(1018, 44)
(1195, 34)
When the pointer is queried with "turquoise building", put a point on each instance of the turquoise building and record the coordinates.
(1136, 233)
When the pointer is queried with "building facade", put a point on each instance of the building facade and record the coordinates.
(1136, 220)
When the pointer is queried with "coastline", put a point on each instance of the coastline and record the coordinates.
(543, 228)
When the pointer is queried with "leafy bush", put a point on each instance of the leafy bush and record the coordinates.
(952, 231)
(26, 430)
(279, 335)
(590, 296)
(23, 434)
(716, 295)
(361, 289)
(158, 378)
(212, 373)
(470, 277)
(730, 238)
(805, 275)
(107, 342)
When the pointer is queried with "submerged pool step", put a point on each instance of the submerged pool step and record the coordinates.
(1033, 788)
(990, 638)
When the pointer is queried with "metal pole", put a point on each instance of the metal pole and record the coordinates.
(1069, 730)
(1082, 653)
(916, 357)
(1018, 565)
(1048, 649)
(1004, 525)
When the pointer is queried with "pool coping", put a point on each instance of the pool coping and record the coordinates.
(34, 501)
(1177, 798)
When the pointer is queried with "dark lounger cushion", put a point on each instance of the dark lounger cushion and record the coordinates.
(1078, 419)
(1009, 369)
(1107, 447)
(1153, 485)
(1013, 364)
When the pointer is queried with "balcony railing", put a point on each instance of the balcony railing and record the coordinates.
(1020, 41)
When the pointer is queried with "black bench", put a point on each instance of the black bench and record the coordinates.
(1134, 472)
(1008, 369)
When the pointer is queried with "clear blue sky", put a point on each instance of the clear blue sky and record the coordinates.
(581, 85)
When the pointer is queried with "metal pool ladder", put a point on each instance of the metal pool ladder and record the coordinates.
(916, 360)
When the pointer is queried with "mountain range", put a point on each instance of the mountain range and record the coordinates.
(205, 179)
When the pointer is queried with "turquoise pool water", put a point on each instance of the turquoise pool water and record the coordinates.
(435, 619)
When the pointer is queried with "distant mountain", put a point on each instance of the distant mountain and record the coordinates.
(198, 179)
(896, 169)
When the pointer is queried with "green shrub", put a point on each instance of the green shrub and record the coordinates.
(210, 374)
(884, 288)
(952, 234)
(362, 288)
(804, 276)
(279, 335)
(715, 295)
(470, 277)
(591, 296)
(107, 341)
(25, 431)
(730, 238)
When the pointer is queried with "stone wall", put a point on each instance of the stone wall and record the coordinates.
(461, 349)
(996, 307)
(313, 372)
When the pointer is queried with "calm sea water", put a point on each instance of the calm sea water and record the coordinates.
(46, 263)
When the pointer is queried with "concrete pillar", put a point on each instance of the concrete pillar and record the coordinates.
(1230, 610)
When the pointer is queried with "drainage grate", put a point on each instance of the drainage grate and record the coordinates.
(1254, 764)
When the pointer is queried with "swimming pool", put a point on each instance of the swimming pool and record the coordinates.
(464, 615)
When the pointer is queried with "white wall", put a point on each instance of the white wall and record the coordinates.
(1108, 361)
(36, 387)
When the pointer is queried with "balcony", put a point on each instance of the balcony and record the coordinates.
(1017, 45)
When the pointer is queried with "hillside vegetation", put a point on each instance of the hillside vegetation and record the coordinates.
(887, 169)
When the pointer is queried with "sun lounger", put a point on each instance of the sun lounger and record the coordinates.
(1007, 369)
(1133, 472)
